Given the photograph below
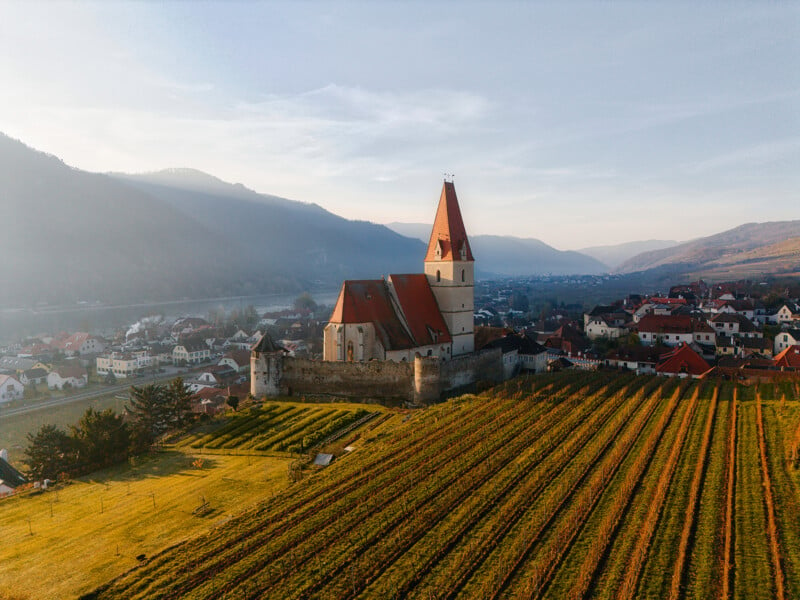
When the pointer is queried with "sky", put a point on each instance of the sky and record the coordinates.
(579, 124)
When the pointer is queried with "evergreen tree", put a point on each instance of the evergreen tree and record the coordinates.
(149, 408)
(50, 452)
(102, 438)
(179, 409)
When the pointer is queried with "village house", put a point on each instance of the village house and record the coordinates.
(787, 314)
(682, 362)
(10, 388)
(239, 360)
(64, 377)
(672, 330)
(10, 478)
(789, 359)
(785, 339)
(124, 364)
(190, 351)
(17, 364)
(734, 324)
(79, 344)
(33, 376)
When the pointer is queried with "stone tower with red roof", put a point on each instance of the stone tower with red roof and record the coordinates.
(450, 268)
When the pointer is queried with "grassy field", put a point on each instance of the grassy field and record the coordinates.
(13, 430)
(571, 485)
(61, 544)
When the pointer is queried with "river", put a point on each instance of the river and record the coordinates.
(19, 322)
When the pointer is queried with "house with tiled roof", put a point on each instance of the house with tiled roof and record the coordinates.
(79, 344)
(672, 330)
(682, 362)
(735, 324)
(237, 359)
(190, 351)
(404, 316)
(789, 358)
(785, 339)
(64, 377)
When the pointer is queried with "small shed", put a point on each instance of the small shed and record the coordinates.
(323, 460)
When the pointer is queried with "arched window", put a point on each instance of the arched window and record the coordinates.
(350, 351)
(438, 275)
(462, 274)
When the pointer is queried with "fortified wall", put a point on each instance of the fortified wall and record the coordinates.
(424, 381)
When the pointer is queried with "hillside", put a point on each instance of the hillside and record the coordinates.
(614, 255)
(731, 248)
(497, 255)
(581, 485)
(171, 235)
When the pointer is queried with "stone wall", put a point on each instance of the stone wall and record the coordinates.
(374, 380)
(424, 381)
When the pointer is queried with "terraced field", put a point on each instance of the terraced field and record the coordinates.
(279, 427)
(572, 485)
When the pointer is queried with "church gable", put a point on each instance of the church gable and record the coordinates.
(369, 301)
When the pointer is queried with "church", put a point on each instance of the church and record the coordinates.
(402, 339)
(403, 317)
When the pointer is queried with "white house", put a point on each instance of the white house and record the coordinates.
(191, 352)
(239, 360)
(787, 314)
(67, 377)
(124, 364)
(80, 344)
(10, 388)
(599, 327)
(790, 337)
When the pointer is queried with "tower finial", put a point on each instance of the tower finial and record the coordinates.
(448, 177)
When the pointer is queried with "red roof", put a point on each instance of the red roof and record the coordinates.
(682, 360)
(672, 324)
(448, 229)
(419, 307)
(790, 357)
(368, 301)
(659, 300)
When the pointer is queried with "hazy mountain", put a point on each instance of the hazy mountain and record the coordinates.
(614, 255)
(734, 251)
(73, 235)
(507, 255)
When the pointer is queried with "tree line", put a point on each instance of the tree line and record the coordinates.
(104, 438)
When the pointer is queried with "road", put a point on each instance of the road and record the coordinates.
(21, 410)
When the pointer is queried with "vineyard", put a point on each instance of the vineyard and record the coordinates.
(278, 427)
(573, 485)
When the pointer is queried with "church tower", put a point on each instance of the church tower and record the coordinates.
(450, 269)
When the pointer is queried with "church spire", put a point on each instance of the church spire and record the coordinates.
(449, 236)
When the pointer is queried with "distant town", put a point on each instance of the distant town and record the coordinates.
(739, 330)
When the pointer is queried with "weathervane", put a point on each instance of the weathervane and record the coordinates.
(449, 177)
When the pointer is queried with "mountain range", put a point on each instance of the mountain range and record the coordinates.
(72, 235)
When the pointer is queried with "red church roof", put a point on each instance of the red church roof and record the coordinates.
(448, 231)
(418, 305)
(682, 360)
(369, 301)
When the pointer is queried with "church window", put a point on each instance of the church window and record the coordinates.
(462, 274)
(438, 275)
(350, 351)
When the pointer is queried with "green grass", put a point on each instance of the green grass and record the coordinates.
(133, 511)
